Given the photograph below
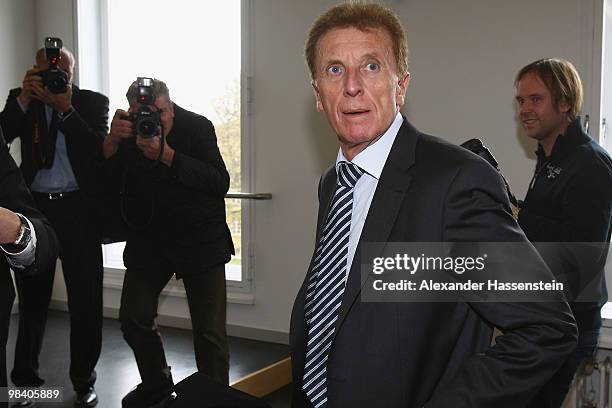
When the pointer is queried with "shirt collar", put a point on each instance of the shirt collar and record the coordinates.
(573, 137)
(372, 159)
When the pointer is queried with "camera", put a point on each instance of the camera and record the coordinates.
(146, 121)
(476, 146)
(54, 78)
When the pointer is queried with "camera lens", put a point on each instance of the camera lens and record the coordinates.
(58, 85)
(55, 80)
(147, 128)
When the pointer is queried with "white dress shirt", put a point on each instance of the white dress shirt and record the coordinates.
(26, 257)
(372, 160)
(59, 178)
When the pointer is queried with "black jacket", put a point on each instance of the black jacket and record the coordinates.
(176, 212)
(84, 129)
(569, 202)
(15, 196)
(434, 354)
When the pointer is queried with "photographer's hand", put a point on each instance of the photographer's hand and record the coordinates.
(120, 129)
(27, 87)
(61, 103)
(150, 148)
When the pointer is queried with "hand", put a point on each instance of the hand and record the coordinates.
(120, 129)
(10, 225)
(59, 102)
(30, 80)
(150, 148)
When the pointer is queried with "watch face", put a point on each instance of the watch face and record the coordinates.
(24, 232)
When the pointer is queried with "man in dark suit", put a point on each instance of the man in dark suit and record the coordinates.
(174, 182)
(392, 183)
(61, 137)
(27, 242)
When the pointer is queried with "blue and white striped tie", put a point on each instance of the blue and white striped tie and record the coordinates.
(327, 283)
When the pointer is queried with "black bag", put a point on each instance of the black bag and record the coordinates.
(199, 391)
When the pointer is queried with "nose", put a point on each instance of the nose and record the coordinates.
(353, 85)
(525, 107)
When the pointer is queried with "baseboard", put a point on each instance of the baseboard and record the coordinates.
(254, 333)
(267, 380)
(245, 332)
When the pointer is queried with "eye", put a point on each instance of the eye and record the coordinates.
(334, 70)
(372, 66)
(536, 99)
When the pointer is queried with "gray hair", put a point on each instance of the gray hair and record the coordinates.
(159, 88)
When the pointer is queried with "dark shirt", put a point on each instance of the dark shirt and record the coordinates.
(569, 202)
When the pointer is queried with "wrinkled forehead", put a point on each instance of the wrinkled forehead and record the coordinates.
(65, 63)
(356, 40)
(161, 103)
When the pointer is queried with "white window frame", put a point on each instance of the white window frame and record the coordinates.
(93, 15)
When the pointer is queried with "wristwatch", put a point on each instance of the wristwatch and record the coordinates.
(64, 115)
(23, 239)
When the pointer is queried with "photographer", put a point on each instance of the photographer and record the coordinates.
(61, 128)
(173, 180)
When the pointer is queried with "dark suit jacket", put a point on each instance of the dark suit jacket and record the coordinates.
(15, 196)
(176, 212)
(434, 354)
(85, 130)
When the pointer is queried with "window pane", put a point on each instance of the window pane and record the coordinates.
(193, 46)
(113, 255)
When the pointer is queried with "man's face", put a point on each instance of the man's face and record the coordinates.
(163, 105)
(65, 64)
(541, 119)
(357, 85)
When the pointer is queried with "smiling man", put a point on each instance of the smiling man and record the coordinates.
(569, 202)
(392, 183)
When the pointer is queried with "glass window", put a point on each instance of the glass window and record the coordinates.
(195, 47)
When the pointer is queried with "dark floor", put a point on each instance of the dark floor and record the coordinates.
(117, 371)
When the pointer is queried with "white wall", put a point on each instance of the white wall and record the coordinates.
(54, 18)
(17, 46)
(464, 56)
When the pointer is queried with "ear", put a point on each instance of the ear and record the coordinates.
(563, 106)
(402, 88)
(171, 107)
(315, 89)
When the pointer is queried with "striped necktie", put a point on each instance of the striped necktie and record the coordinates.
(326, 284)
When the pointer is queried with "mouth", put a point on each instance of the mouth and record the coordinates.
(355, 113)
(529, 121)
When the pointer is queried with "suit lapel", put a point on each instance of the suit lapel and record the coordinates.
(386, 203)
